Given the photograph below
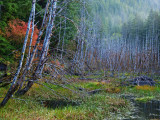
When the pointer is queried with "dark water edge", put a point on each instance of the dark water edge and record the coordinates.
(145, 110)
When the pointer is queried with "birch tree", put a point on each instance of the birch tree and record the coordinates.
(50, 24)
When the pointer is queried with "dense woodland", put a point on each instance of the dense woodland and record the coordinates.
(106, 22)
(50, 41)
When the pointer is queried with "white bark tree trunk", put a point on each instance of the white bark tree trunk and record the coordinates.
(14, 86)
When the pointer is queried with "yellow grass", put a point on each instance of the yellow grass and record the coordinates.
(145, 87)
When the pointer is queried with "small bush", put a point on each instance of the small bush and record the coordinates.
(16, 32)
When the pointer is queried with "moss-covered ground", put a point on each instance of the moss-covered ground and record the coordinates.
(52, 102)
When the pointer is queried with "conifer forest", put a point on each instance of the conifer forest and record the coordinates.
(79, 59)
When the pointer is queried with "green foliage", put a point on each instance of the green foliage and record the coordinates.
(13, 9)
(5, 47)
(67, 31)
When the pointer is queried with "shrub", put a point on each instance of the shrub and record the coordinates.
(16, 32)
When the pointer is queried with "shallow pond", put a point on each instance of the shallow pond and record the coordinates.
(148, 110)
(145, 110)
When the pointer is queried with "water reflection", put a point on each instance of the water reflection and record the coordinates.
(145, 110)
(148, 110)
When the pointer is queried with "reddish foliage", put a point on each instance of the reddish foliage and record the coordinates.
(57, 63)
(16, 31)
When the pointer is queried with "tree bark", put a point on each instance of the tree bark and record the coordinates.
(44, 48)
(14, 84)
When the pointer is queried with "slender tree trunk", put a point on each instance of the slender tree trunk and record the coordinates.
(44, 48)
(30, 46)
(14, 84)
(59, 40)
(29, 62)
(64, 34)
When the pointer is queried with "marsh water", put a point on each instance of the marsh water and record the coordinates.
(145, 110)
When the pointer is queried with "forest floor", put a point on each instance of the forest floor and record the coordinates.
(40, 102)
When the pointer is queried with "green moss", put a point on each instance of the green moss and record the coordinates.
(145, 99)
(95, 107)
(41, 103)
(98, 106)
